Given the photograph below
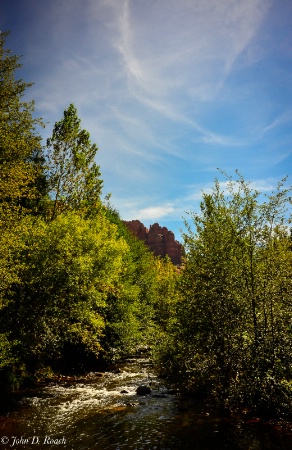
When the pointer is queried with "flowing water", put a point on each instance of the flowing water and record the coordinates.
(103, 411)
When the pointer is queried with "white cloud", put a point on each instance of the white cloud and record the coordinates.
(155, 212)
(148, 59)
(282, 119)
(161, 44)
(177, 53)
(151, 81)
(196, 192)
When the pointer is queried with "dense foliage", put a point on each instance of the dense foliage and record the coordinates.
(231, 341)
(76, 287)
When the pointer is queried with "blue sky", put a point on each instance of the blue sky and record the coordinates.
(169, 91)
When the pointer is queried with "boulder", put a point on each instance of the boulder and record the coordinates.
(143, 390)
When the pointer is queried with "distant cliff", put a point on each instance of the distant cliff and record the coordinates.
(159, 239)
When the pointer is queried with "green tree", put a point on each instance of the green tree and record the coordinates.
(70, 265)
(74, 177)
(137, 316)
(22, 183)
(21, 162)
(231, 340)
(130, 312)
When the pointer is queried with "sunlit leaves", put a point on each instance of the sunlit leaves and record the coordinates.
(20, 142)
(71, 266)
(74, 176)
(234, 325)
(70, 272)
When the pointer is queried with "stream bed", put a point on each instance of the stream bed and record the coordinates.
(104, 412)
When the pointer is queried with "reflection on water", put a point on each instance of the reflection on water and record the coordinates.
(105, 413)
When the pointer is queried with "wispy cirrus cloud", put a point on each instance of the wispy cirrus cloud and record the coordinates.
(175, 55)
(159, 59)
(168, 90)
(205, 36)
(282, 119)
(261, 185)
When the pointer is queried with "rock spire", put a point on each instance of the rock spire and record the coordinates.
(159, 239)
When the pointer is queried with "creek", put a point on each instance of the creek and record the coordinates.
(104, 412)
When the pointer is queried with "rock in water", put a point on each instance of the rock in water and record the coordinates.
(143, 390)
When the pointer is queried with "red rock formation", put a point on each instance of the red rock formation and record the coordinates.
(138, 229)
(159, 239)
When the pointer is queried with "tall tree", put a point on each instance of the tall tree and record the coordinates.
(74, 177)
(232, 337)
(22, 184)
(20, 143)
